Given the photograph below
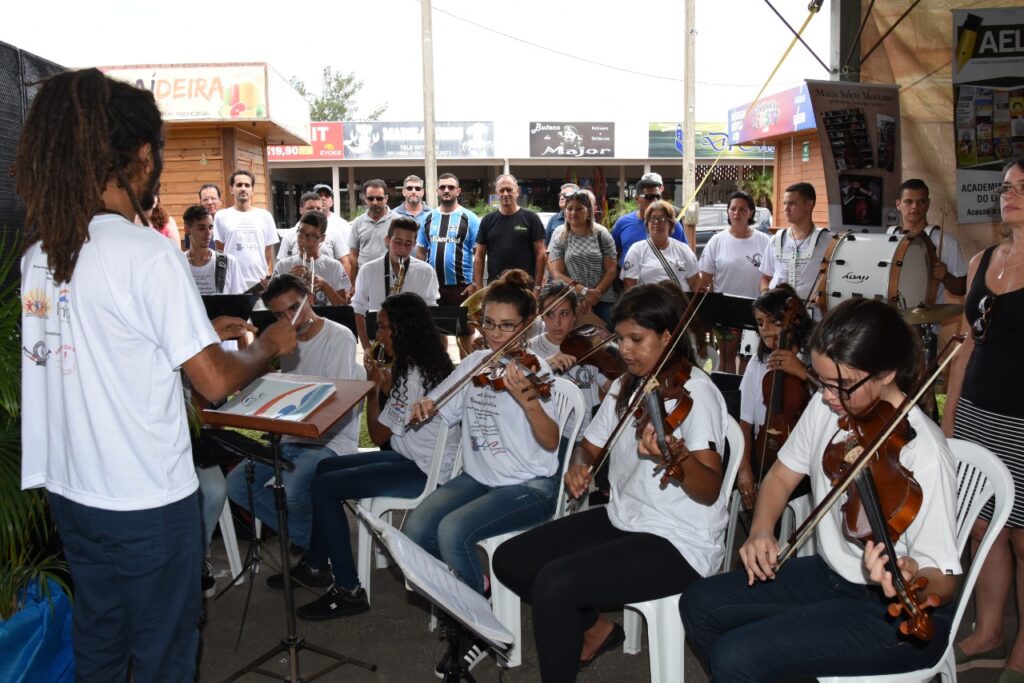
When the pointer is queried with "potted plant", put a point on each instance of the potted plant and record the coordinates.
(35, 611)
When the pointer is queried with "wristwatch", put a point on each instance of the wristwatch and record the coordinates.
(583, 294)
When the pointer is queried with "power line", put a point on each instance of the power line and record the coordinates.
(585, 60)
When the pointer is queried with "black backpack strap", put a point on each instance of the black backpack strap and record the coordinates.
(220, 273)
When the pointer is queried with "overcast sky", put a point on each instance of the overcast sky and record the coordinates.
(626, 60)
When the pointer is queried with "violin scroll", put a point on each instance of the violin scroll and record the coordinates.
(918, 622)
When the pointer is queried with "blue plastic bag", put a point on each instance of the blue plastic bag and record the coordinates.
(36, 641)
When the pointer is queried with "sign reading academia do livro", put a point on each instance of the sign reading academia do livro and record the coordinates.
(711, 140)
(572, 139)
(988, 91)
(333, 140)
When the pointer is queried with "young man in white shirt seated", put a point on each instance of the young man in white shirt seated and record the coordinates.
(325, 349)
(396, 271)
(330, 283)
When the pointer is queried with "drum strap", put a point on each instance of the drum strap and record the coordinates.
(664, 263)
(792, 263)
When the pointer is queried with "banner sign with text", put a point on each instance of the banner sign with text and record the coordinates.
(988, 92)
(572, 139)
(335, 140)
(711, 140)
(859, 130)
(788, 111)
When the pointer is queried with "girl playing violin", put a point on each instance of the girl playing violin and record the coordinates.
(509, 442)
(649, 541)
(769, 312)
(826, 615)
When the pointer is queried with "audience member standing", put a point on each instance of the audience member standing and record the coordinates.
(632, 227)
(413, 207)
(366, 241)
(509, 238)
(339, 230)
(583, 252)
(246, 232)
(309, 201)
(209, 197)
(558, 219)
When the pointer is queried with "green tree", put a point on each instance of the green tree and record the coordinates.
(761, 187)
(336, 100)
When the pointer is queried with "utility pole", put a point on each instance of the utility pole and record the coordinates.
(429, 142)
(689, 112)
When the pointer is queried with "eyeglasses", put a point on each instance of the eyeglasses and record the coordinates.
(446, 187)
(311, 236)
(651, 197)
(375, 199)
(656, 220)
(844, 393)
(1016, 188)
(568, 195)
(489, 324)
(979, 328)
(414, 188)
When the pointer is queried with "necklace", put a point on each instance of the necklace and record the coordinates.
(198, 263)
(1006, 256)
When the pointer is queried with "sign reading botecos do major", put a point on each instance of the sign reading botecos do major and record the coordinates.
(988, 92)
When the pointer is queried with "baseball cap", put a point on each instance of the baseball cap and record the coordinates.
(322, 187)
(650, 179)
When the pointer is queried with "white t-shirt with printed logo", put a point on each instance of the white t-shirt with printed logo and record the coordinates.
(930, 539)
(644, 266)
(102, 417)
(246, 235)
(498, 446)
(588, 378)
(735, 262)
(638, 503)
(418, 444)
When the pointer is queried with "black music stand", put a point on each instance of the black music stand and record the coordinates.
(726, 310)
(347, 395)
(450, 320)
(237, 305)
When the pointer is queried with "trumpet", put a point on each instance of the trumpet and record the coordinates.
(379, 356)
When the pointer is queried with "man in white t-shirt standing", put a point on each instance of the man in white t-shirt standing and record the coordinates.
(325, 349)
(103, 425)
(794, 254)
(246, 232)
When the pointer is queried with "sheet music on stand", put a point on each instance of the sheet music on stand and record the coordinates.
(432, 579)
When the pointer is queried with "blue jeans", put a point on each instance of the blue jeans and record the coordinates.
(305, 457)
(212, 492)
(363, 475)
(137, 600)
(453, 518)
(808, 622)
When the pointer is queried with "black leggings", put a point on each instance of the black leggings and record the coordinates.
(573, 568)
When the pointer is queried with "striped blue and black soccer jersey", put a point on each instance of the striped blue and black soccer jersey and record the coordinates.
(449, 239)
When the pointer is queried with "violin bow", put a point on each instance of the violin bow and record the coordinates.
(490, 358)
(800, 536)
(597, 347)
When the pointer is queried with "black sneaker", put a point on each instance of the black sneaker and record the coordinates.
(334, 604)
(206, 581)
(473, 654)
(303, 576)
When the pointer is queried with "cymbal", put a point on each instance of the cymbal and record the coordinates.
(937, 313)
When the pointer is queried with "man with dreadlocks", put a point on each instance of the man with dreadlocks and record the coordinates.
(103, 422)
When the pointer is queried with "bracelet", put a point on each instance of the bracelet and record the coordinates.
(584, 293)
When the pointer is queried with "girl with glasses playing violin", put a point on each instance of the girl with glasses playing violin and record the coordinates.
(827, 614)
(984, 405)
(650, 541)
(509, 443)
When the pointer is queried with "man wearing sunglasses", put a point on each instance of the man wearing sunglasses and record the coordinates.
(366, 242)
(558, 219)
(631, 227)
(413, 207)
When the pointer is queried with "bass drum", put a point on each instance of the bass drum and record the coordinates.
(893, 268)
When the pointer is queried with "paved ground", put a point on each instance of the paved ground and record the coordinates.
(393, 635)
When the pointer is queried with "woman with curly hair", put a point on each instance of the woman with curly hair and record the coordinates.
(421, 363)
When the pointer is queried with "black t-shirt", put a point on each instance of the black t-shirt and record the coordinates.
(509, 241)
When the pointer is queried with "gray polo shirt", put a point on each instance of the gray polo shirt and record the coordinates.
(368, 236)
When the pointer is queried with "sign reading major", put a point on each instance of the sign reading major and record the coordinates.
(572, 139)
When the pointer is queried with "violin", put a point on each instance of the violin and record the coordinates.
(494, 377)
(785, 397)
(884, 502)
(672, 383)
(593, 345)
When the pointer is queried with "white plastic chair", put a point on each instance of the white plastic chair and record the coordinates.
(505, 603)
(980, 475)
(227, 532)
(385, 505)
(664, 627)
